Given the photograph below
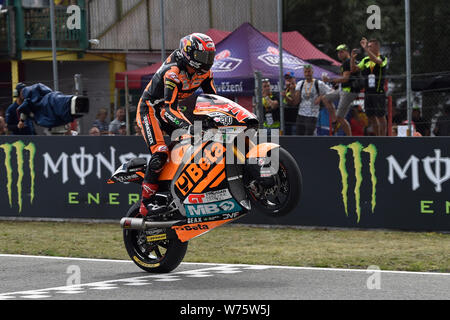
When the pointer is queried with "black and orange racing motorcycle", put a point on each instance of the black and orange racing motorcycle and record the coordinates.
(210, 180)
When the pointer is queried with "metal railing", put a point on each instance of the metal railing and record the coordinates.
(36, 33)
(5, 38)
(25, 28)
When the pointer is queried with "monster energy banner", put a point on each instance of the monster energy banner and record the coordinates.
(389, 183)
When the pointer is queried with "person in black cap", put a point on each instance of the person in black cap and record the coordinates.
(347, 92)
(12, 120)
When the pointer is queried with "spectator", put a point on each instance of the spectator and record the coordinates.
(3, 127)
(291, 109)
(70, 131)
(12, 119)
(358, 121)
(443, 123)
(373, 68)
(271, 106)
(123, 129)
(309, 94)
(289, 94)
(101, 122)
(347, 94)
(115, 125)
(399, 114)
(394, 131)
(95, 131)
(422, 126)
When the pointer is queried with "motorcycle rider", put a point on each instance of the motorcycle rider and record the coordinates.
(184, 71)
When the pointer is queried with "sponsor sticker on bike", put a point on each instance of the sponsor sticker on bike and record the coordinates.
(209, 209)
(144, 264)
(157, 237)
(212, 196)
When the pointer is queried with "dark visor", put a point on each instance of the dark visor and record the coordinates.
(206, 57)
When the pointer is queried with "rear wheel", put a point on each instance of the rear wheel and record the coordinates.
(154, 256)
(280, 194)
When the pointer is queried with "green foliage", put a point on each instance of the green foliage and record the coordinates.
(329, 23)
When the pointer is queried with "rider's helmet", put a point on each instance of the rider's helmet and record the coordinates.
(198, 51)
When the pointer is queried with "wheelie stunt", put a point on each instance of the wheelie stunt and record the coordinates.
(201, 181)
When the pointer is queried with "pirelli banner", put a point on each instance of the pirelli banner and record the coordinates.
(389, 183)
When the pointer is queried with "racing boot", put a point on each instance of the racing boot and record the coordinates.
(149, 205)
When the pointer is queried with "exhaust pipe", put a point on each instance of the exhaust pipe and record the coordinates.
(141, 224)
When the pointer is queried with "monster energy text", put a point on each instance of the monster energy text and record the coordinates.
(357, 149)
(19, 147)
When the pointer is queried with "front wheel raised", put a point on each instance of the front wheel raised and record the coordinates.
(282, 194)
(162, 256)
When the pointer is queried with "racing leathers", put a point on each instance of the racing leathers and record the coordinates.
(157, 113)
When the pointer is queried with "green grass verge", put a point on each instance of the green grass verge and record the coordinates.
(247, 245)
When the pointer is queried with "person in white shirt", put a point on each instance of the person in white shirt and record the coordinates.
(308, 95)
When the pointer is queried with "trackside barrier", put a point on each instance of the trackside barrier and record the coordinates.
(388, 183)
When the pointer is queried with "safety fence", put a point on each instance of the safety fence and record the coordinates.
(387, 183)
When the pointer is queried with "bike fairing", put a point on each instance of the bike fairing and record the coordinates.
(203, 191)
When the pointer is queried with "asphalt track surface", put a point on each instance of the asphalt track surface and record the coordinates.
(54, 278)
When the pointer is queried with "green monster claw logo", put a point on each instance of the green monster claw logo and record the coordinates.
(19, 147)
(357, 148)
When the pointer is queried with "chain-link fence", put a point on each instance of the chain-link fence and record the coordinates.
(135, 25)
(346, 22)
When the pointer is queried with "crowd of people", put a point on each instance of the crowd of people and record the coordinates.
(304, 101)
(117, 127)
(338, 95)
(15, 121)
(9, 125)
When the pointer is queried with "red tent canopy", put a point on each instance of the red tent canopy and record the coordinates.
(217, 35)
(135, 76)
(298, 45)
(293, 42)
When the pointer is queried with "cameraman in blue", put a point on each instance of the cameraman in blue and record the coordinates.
(48, 108)
(12, 116)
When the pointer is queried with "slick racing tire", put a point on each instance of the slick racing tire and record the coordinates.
(283, 195)
(162, 256)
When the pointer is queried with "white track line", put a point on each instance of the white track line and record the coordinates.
(105, 284)
(237, 265)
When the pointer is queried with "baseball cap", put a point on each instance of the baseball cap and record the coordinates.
(307, 66)
(19, 87)
(289, 75)
(342, 47)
